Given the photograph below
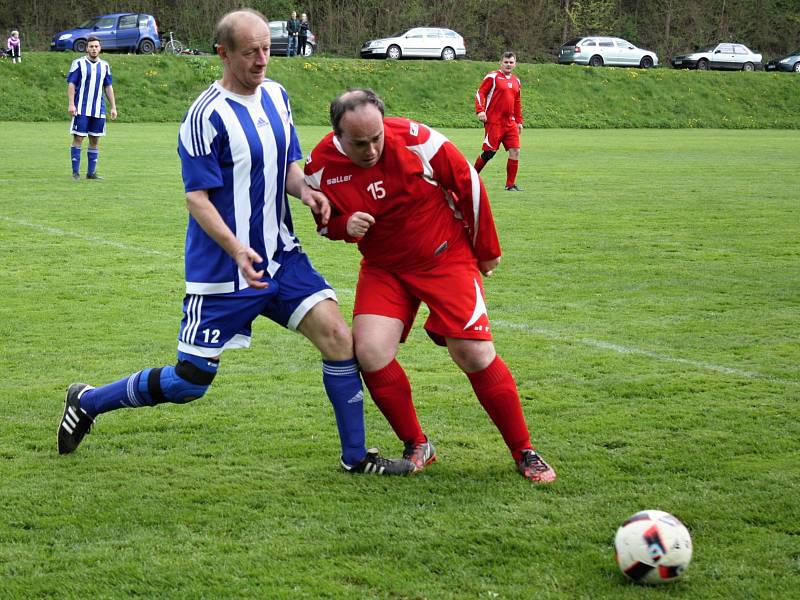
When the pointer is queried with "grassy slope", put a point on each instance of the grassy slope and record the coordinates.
(159, 88)
(650, 320)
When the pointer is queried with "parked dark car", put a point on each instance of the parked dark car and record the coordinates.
(790, 62)
(279, 40)
(129, 32)
(725, 56)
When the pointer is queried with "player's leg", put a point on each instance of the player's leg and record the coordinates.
(512, 166)
(79, 131)
(97, 129)
(307, 304)
(210, 325)
(489, 148)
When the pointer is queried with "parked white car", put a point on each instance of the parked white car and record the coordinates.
(724, 56)
(419, 42)
(597, 51)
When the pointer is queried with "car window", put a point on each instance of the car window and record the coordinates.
(450, 34)
(433, 33)
(707, 49)
(275, 28)
(414, 33)
(725, 48)
(623, 44)
(106, 23)
(739, 49)
(589, 43)
(608, 44)
(128, 22)
(144, 20)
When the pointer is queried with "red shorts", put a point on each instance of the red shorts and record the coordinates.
(453, 293)
(497, 133)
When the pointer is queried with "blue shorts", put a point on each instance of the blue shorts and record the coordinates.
(83, 126)
(216, 322)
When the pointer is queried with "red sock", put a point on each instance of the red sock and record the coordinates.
(391, 392)
(511, 171)
(497, 393)
(479, 164)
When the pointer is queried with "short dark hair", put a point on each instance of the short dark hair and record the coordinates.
(351, 100)
(509, 55)
(225, 31)
(92, 38)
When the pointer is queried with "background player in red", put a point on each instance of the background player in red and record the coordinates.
(499, 108)
(422, 221)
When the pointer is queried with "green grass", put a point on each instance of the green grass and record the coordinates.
(648, 304)
(159, 88)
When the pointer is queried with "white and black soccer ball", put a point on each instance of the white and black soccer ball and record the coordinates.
(652, 546)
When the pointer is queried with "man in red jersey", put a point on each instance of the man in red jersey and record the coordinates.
(422, 221)
(499, 108)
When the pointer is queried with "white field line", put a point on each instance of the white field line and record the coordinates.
(553, 335)
(85, 238)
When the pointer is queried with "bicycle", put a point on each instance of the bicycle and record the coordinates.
(172, 46)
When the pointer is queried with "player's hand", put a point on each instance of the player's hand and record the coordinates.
(244, 259)
(72, 110)
(519, 127)
(488, 266)
(359, 223)
(482, 116)
(113, 114)
(317, 202)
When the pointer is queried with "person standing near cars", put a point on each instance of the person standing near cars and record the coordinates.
(14, 47)
(88, 80)
(293, 30)
(499, 107)
(302, 38)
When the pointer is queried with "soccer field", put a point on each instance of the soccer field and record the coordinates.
(648, 304)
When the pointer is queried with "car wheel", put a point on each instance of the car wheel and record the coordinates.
(147, 47)
(702, 65)
(748, 66)
(79, 46)
(393, 52)
(308, 50)
(796, 67)
(646, 63)
(596, 61)
(448, 54)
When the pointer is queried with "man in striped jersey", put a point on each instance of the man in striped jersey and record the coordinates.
(88, 79)
(499, 107)
(237, 145)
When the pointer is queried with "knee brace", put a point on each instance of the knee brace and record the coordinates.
(184, 382)
(487, 155)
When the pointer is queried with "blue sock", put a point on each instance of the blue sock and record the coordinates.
(91, 154)
(343, 386)
(76, 158)
(125, 393)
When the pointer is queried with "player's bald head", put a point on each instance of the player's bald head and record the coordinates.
(351, 100)
(227, 26)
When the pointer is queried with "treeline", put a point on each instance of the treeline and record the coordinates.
(533, 28)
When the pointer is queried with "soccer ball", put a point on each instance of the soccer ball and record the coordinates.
(652, 546)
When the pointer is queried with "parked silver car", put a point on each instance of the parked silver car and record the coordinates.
(597, 51)
(726, 56)
(419, 42)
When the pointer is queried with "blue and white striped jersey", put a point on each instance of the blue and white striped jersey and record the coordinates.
(239, 149)
(90, 79)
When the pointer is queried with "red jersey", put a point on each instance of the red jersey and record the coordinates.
(428, 202)
(499, 97)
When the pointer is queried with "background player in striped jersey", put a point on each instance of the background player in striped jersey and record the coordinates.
(499, 107)
(89, 78)
(422, 221)
(237, 146)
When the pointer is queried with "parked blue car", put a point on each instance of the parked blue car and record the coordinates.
(128, 32)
